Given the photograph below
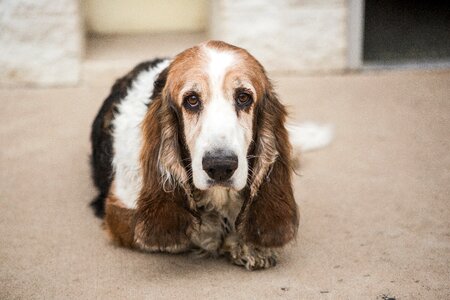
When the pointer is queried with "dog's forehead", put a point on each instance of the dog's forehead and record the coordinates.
(218, 63)
(211, 64)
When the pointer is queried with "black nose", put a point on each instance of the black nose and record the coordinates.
(220, 166)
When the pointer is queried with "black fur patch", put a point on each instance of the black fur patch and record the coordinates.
(101, 135)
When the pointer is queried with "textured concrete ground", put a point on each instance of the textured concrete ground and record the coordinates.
(375, 204)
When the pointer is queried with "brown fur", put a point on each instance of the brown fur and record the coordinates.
(270, 217)
(119, 222)
(166, 215)
(163, 219)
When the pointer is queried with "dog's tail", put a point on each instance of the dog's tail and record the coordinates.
(308, 136)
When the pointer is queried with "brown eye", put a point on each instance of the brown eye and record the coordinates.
(192, 100)
(243, 99)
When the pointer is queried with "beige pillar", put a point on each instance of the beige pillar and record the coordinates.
(41, 42)
(305, 36)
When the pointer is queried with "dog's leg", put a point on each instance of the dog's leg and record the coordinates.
(119, 222)
(166, 227)
(248, 255)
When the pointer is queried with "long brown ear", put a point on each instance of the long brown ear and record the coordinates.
(170, 165)
(164, 219)
(270, 217)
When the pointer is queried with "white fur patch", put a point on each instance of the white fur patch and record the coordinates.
(220, 125)
(218, 64)
(127, 135)
(309, 136)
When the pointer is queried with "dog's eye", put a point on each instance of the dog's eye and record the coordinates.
(243, 99)
(192, 101)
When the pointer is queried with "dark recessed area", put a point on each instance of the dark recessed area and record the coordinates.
(402, 31)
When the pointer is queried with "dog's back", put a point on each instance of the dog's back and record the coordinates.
(103, 129)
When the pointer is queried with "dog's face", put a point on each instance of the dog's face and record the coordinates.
(216, 121)
(215, 88)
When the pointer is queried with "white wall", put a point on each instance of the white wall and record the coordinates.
(149, 16)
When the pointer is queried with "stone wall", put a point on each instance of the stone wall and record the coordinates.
(41, 42)
(286, 35)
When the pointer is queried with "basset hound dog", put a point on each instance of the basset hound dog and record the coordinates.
(192, 153)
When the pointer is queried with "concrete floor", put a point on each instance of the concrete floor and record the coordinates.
(375, 204)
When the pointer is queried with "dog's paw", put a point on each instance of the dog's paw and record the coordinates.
(208, 236)
(253, 258)
(250, 256)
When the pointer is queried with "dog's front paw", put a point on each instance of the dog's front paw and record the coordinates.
(253, 258)
(250, 256)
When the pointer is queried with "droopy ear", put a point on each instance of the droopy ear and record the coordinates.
(170, 163)
(169, 153)
(164, 221)
(270, 217)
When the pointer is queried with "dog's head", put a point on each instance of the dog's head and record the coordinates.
(215, 88)
(216, 122)
(218, 93)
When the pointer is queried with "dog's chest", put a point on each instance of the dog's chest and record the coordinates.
(223, 201)
(219, 208)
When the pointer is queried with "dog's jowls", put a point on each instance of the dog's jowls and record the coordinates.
(192, 153)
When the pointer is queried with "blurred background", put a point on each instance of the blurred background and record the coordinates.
(375, 209)
(52, 42)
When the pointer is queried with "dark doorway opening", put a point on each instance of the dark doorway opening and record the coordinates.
(406, 31)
